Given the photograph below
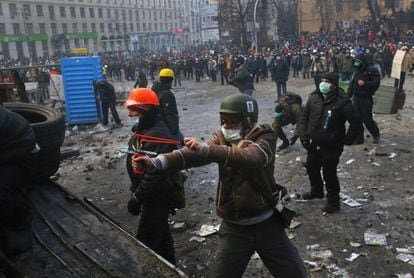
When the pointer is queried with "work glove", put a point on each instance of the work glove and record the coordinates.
(292, 140)
(134, 206)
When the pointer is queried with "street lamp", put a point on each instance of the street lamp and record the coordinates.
(24, 14)
(255, 23)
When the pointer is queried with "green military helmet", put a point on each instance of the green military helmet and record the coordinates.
(241, 104)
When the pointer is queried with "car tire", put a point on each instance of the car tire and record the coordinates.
(49, 128)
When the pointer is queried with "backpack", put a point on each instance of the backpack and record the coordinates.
(291, 98)
(178, 192)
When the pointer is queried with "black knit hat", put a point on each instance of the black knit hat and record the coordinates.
(332, 77)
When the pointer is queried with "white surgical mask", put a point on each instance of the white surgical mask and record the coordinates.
(231, 134)
(134, 120)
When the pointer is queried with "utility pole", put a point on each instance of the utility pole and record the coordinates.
(29, 47)
(255, 25)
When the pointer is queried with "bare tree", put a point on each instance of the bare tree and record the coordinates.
(233, 16)
(374, 10)
(287, 16)
(325, 8)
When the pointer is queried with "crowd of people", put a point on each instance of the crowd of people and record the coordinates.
(250, 201)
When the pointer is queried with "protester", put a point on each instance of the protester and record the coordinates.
(323, 134)
(244, 151)
(280, 74)
(288, 111)
(243, 79)
(168, 106)
(151, 190)
(107, 96)
(364, 83)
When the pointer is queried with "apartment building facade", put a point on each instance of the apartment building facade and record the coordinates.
(46, 27)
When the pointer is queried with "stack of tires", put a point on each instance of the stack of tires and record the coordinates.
(49, 128)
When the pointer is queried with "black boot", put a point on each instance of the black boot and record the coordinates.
(331, 207)
(312, 195)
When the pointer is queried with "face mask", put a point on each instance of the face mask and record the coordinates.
(134, 120)
(278, 114)
(278, 58)
(357, 64)
(231, 134)
(324, 87)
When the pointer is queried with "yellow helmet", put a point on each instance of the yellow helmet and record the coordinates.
(166, 72)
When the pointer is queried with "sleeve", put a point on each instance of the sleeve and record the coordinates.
(297, 113)
(303, 121)
(250, 155)
(355, 123)
(169, 106)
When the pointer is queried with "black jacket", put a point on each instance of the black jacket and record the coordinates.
(280, 70)
(151, 184)
(168, 106)
(17, 138)
(323, 120)
(107, 91)
(371, 77)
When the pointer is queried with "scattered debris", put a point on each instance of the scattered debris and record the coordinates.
(373, 238)
(404, 275)
(294, 224)
(376, 164)
(321, 255)
(207, 230)
(351, 202)
(179, 227)
(349, 162)
(355, 244)
(407, 258)
(392, 155)
(255, 256)
(197, 239)
(353, 257)
(313, 247)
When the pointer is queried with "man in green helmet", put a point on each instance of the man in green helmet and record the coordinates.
(244, 152)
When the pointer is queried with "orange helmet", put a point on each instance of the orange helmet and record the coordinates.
(141, 96)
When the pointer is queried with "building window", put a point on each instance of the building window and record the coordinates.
(116, 14)
(108, 13)
(64, 28)
(1, 10)
(130, 15)
(100, 13)
(91, 12)
(93, 27)
(16, 28)
(42, 28)
(155, 27)
(53, 26)
(82, 12)
(357, 5)
(62, 11)
(339, 6)
(110, 30)
(138, 27)
(26, 10)
(84, 27)
(72, 12)
(144, 27)
(136, 14)
(131, 27)
(39, 10)
(51, 12)
(75, 27)
(29, 28)
(102, 27)
(13, 10)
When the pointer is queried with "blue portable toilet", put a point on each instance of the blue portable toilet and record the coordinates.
(78, 74)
